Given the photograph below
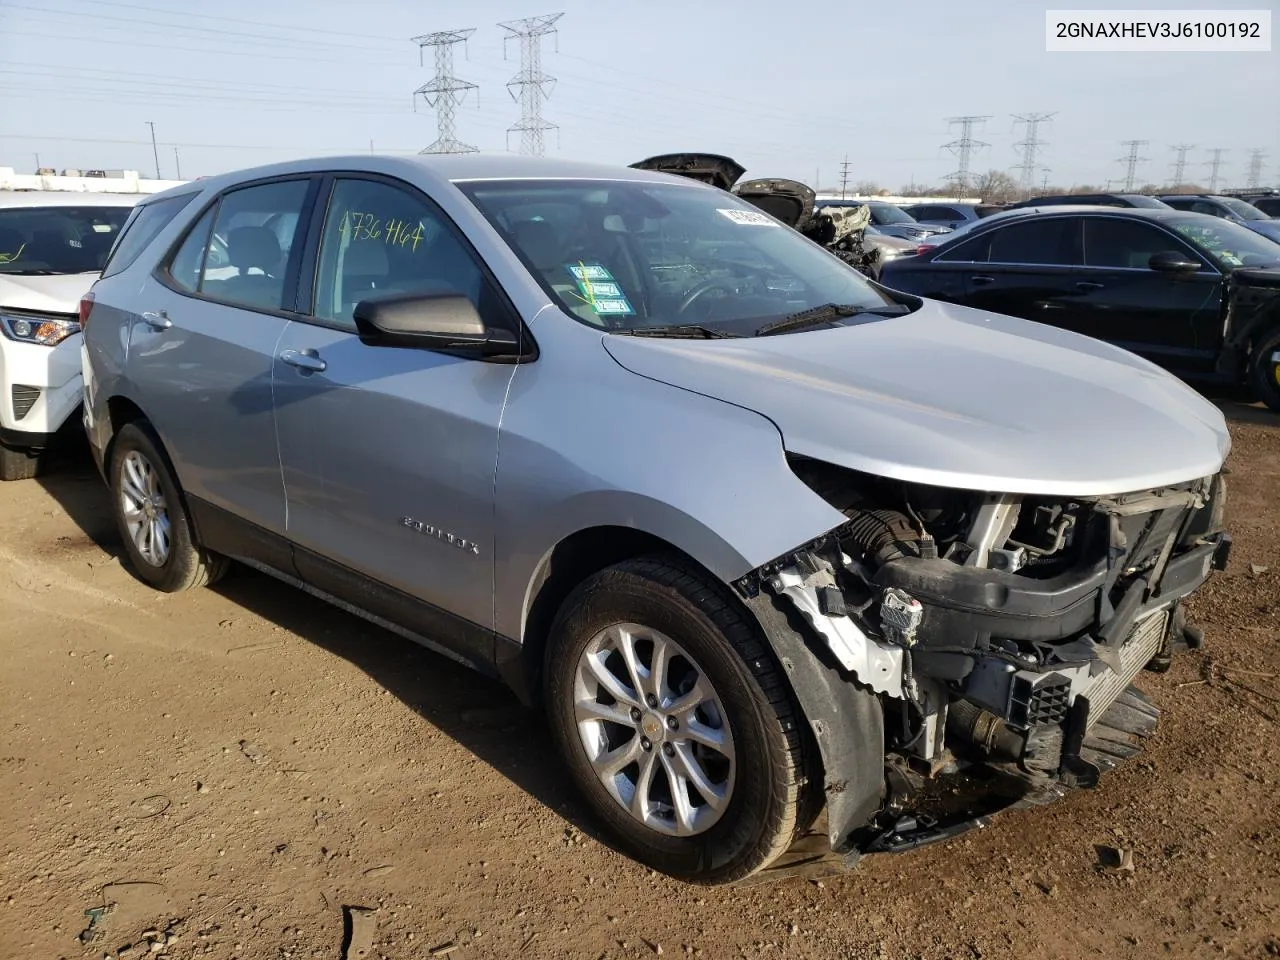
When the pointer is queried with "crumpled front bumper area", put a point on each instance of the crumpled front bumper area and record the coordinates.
(1003, 666)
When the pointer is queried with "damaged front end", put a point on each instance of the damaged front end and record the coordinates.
(997, 633)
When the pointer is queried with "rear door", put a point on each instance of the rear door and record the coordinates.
(389, 453)
(1174, 319)
(1029, 270)
(202, 349)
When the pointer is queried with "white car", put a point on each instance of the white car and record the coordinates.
(52, 248)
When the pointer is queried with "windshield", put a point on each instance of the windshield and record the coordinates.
(886, 213)
(627, 256)
(48, 240)
(1228, 244)
(1245, 211)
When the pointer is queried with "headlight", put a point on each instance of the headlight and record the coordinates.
(46, 331)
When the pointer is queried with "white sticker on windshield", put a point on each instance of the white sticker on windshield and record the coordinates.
(748, 217)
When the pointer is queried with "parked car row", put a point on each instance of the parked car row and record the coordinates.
(764, 536)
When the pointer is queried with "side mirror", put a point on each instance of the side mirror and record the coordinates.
(430, 321)
(1171, 261)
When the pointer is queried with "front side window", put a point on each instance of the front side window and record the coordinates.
(379, 239)
(41, 241)
(630, 255)
(1124, 243)
(1041, 242)
(243, 259)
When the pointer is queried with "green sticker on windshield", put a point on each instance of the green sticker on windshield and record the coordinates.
(598, 290)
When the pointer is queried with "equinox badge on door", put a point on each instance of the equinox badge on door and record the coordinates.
(443, 536)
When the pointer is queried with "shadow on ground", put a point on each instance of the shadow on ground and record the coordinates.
(481, 714)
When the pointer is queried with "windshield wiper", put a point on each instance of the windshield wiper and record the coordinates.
(683, 331)
(815, 316)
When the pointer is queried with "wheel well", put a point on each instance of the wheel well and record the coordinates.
(572, 560)
(122, 410)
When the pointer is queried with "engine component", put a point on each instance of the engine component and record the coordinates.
(900, 615)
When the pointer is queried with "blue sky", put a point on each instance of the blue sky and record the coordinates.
(786, 89)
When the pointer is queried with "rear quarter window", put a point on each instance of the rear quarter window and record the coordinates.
(146, 221)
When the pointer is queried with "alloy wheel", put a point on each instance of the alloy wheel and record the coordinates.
(142, 503)
(654, 729)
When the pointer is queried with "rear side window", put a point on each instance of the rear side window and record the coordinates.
(1044, 242)
(146, 221)
(239, 250)
(971, 251)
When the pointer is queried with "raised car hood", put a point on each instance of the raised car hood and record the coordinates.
(60, 293)
(957, 398)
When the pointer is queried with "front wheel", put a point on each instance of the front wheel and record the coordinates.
(1265, 372)
(151, 515)
(676, 722)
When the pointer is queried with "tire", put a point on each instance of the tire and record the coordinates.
(768, 783)
(1264, 373)
(18, 464)
(137, 466)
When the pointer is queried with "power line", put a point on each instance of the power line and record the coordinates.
(1180, 165)
(1131, 162)
(964, 147)
(1215, 165)
(534, 85)
(1254, 176)
(1030, 145)
(444, 91)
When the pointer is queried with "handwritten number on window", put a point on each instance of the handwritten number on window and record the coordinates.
(394, 232)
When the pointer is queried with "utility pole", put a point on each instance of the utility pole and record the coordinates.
(1255, 168)
(1131, 162)
(37, 162)
(1180, 165)
(964, 147)
(444, 91)
(535, 86)
(844, 178)
(1030, 145)
(1215, 166)
(177, 163)
(154, 152)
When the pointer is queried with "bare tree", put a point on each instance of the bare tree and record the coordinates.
(916, 190)
(996, 186)
(867, 188)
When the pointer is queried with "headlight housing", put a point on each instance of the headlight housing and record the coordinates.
(46, 331)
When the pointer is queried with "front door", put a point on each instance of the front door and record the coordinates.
(1174, 319)
(389, 453)
(203, 350)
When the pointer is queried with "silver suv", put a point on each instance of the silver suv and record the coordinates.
(760, 536)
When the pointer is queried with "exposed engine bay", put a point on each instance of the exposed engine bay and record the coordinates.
(998, 632)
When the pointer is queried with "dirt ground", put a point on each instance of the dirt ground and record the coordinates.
(233, 767)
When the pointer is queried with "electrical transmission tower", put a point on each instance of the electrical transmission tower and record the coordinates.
(1029, 146)
(1180, 165)
(1255, 168)
(844, 177)
(963, 148)
(535, 86)
(1131, 163)
(444, 91)
(1215, 168)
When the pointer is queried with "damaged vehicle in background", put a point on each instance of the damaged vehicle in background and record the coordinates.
(764, 537)
(841, 228)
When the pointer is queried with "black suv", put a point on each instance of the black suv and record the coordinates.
(1195, 294)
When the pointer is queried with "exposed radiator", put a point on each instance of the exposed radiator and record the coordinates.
(1144, 643)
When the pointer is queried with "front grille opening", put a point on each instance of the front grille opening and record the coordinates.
(24, 398)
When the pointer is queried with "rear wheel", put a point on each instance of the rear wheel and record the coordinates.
(676, 723)
(152, 518)
(1265, 372)
(18, 464)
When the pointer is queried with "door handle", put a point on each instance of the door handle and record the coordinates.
(1089, 285)
(157, 320)
(981, 279)
(307, 360)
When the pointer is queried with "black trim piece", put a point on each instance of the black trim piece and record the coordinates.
(223, 532)
(427, 622)
(22, 440)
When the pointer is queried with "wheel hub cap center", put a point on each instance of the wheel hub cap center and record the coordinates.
(652, 726)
